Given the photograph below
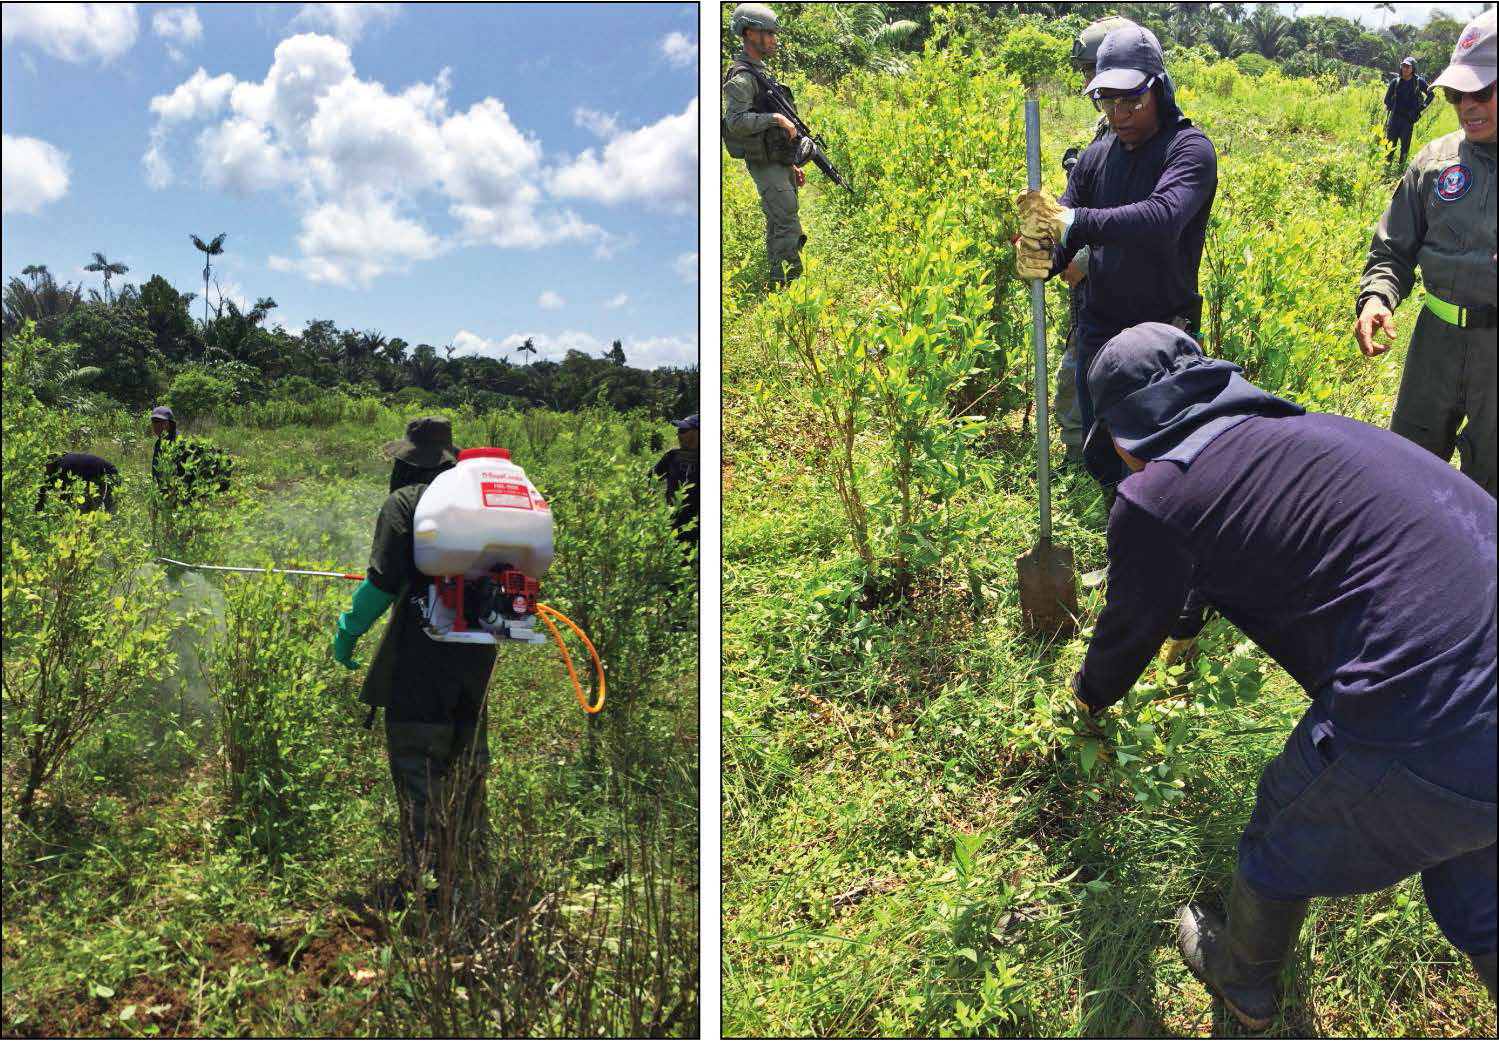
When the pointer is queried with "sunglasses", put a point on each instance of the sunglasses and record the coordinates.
(1454, 95)
(1133, 101)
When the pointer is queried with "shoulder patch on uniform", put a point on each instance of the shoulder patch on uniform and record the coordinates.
(1453, 182)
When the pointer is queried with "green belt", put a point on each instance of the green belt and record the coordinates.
(1457, 315)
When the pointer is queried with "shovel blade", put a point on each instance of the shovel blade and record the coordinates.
(1048, 590)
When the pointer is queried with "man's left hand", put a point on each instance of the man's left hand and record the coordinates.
(1042, 217)
(800, 175)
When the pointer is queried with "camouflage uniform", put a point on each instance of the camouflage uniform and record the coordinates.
(765, 148)
(1442, 219)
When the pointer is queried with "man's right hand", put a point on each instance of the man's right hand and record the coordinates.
(1074, 273)
(1032, 258)
(1375, 313)
(785, 124)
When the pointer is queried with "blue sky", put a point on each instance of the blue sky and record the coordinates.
(465, 174)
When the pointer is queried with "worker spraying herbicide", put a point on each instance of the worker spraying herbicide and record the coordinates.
(459, 547)
(1366, 568)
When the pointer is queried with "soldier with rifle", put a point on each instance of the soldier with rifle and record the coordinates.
(761, 127)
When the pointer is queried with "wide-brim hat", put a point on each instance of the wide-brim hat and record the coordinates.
(1473, 58)
(1126, 59)
(428, 443)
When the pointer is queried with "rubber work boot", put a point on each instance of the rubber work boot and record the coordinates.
(1484, 962)
(1241, 963)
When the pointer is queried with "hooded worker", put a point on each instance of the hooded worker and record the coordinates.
(1139, 198)
(432, 692)
(1317, 536)
(1442, 220)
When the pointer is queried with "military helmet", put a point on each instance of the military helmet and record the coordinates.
(1085, 46)
(753, 16)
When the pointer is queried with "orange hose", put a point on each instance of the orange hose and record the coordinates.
(546, 612)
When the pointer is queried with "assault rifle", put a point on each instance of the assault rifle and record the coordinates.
(808, 144)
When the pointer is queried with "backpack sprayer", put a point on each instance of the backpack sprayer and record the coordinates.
(483, 534)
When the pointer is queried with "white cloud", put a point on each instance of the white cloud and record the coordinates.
(679, 49)
(178, 27)
(349, 150)
(642, 352)
(617, 301)
(550, 300)
(350, 244)
(345, 21)
(685, 266)
(238, 155)
(32, 174)
(649, 352)
(72, 32)
(601, 124)
(655, 164)
(197, 97)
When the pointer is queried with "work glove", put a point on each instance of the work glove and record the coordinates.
(1042, 217)
(1032, 258)
(369, 603)
(1086, 716)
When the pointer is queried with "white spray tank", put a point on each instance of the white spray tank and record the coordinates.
(484, 533)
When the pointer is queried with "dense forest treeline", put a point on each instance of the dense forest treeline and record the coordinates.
(142, 344)
(823, 42)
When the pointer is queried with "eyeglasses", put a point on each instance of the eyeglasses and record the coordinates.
(1134, 101)
(1454, 96)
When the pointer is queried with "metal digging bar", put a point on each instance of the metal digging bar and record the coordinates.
(1048, 585)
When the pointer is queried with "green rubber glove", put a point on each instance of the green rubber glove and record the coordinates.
(369, 603)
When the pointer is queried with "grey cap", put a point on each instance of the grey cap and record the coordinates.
(1126, 59)
(1085, 44)
(753, 16)
(162, 413)
(428, 443)
(1473, 59)
(687, 423)
(1408, 60)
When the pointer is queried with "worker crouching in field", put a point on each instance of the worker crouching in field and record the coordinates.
(432, 692)
(88, 479)
(1366, 568)
(1442, 218)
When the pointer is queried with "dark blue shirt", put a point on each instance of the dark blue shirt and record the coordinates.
(1360, 562)
(1408, 98)
(1144, 214)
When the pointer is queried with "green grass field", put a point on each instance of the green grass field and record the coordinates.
(914, 843)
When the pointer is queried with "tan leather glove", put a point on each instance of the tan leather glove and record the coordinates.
(1041, 216)
(1032, 258)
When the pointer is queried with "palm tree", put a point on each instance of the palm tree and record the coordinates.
(1266, 31)
(529, 346)
(46, 303)
(106, 268)
(210, 249)
(35, 272)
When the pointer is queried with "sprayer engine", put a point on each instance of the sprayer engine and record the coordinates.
(501, 605)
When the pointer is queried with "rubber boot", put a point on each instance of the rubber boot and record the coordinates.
(1484, 963)
(1241, 962)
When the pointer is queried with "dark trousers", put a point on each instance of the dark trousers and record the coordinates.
(1339, 818)
(439, 773)
(1397, 130)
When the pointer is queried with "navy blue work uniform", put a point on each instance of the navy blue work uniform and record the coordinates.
(1405, 100)
(1366, 568)
(1143, 214)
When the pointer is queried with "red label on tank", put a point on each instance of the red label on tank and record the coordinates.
(505, 494)
(539, 504)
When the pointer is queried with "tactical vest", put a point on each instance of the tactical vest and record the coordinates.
(770, 145)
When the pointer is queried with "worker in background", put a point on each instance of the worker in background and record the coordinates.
(678, 468)
(1442, 219)
(1405, 99)
(433, 692)
(1316, 536)
(90, 479)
